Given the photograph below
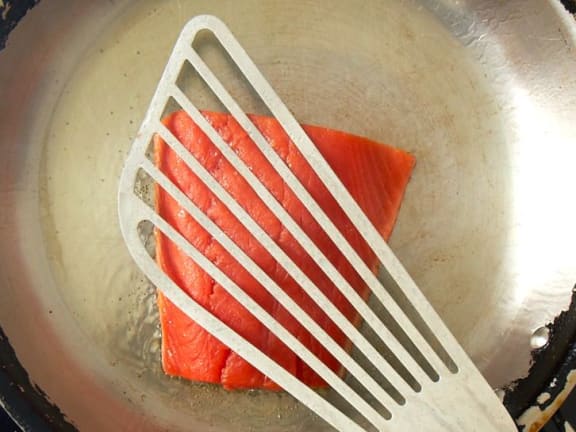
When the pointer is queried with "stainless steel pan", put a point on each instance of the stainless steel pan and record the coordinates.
(483, 92)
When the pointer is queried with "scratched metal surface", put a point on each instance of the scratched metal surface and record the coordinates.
(486, 229)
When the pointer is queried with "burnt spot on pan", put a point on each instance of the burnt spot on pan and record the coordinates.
(26, 403)
(552, 369)
(10, 13)
(570, 5)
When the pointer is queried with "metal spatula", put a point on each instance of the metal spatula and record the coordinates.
(431, 385)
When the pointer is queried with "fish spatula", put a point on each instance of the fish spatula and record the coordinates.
(429, 383)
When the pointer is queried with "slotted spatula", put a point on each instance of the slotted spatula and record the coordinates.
(436, 387)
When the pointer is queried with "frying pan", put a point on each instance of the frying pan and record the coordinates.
(482, 92)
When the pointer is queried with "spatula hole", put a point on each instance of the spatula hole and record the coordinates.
(418, 322)
(196, 89)
(378, 377)
(218, 60)
(383, 349)
(343, 405)
(170, 107)
(146, 234)
(404, 340)
(144, 187)
(371, 399)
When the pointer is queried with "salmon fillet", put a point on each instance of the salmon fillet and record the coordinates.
(376, 175)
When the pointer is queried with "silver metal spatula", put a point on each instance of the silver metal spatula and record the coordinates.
(431, 385)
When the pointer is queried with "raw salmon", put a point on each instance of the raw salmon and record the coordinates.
(376, 175)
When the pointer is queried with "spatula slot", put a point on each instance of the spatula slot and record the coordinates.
(218, 60)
